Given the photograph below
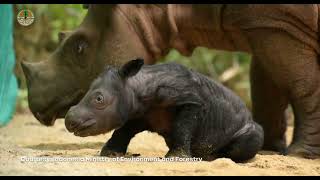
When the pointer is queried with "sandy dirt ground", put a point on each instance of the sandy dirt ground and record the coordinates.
(24, 139)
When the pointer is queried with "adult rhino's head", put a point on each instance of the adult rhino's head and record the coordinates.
(56, 84)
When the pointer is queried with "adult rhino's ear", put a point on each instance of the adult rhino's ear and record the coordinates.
(131, 68)
(62, 35)
(85, 6)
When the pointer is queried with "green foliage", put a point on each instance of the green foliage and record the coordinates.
(230, 68)
(60, 17)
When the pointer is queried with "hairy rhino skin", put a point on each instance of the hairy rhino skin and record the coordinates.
(283, 41)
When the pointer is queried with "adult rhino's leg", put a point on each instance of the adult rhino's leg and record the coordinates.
(268, 106)
(293, 66)
(306, 107)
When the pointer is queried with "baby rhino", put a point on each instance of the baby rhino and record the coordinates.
(196, 116)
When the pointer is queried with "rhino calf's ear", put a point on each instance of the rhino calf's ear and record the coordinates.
(131, 68)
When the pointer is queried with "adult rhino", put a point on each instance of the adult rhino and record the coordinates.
(283, 40)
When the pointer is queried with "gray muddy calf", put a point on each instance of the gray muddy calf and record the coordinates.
(196, 116)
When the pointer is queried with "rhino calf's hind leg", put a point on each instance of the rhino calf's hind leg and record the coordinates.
(182, 131)
(245, 146)
(293, 66)
(268, 106)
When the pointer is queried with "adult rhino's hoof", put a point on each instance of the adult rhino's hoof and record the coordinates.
(304, 151)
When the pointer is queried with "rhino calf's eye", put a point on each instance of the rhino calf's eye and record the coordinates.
(79, 50)
(99, 99)
(81, 47)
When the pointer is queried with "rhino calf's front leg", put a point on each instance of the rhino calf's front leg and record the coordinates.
(117, 145)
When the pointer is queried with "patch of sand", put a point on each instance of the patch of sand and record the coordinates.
(25, 137)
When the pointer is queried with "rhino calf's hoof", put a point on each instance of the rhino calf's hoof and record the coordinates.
(278, 146)
(110, 153)
(177, 153)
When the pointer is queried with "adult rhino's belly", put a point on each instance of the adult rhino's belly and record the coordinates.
(299, 21)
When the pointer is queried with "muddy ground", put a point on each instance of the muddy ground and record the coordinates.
(25, 137)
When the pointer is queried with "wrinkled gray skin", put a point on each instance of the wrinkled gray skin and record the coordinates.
(197, 116)
(283, 41)
(54, 85)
